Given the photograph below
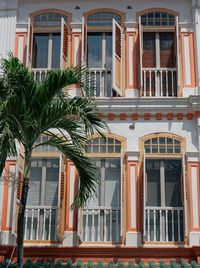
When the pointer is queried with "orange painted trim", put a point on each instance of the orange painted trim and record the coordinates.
(75, 210)
(129, 212)
(197, 166)
(16, 49)
(76, 36)
(130, 58)
(147, 116)
(192, 60)
(69, 164)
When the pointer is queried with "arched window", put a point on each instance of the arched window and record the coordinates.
(48, 41)
(103, 19)
(101, 215)
(158, 18)
(164, 188)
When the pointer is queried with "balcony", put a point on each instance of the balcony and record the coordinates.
(41, 223)
(164, 224)
(101, 224)
(159, 82)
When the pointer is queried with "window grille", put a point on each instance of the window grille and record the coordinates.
(48, 20)
(45, 147)
(103, 19)
(157, 19)
(162, 145)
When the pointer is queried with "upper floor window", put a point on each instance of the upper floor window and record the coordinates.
(47, 41)
(102, 52)
(159, 76)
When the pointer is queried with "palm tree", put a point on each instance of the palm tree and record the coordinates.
(29, 109)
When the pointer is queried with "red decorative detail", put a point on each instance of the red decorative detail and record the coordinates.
(197, 113)
(180, 116)
(122, 116)
(135, 117)
(65, 41)
(170, 116)
(147, 116)
(159, 116)
(111, 116)
(190, 116)
(62, 186)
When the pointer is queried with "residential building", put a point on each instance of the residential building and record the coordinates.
(144, 63)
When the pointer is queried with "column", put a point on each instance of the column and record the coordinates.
(196, 21)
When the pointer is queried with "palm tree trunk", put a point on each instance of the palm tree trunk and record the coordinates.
(22, 207)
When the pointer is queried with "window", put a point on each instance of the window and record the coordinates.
(101, 215)
(164, 186)
(103, 53)
(48, 40)
(158, 44)
(42, 200)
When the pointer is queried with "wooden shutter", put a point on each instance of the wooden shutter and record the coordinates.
(141, 51)
(144, 196)
(117, 57)
(64, 47)
(29, 44)
(62, 197)
(177, 53)
(184, 193)
(84, 43)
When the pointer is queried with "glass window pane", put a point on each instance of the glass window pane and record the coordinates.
(33, 198)
(94, 46)
(109, 50)
(56, 50)
(173, 183)
(153, 182)
(40, 50)
(52, 182)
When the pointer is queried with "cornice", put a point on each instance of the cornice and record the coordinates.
(152, 105)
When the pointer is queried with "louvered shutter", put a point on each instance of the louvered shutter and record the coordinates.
(84, 43)
(64, 48)
(29, 44)
(117, 57)
(144, 196)
(141, 52)
(62, 197)
(177, 53)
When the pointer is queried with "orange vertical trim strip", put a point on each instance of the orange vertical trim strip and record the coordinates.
(17, 36)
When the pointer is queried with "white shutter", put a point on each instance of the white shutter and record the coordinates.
(141, 52)
(84, 43)
(144, 195)
(117, 57)
(177, 54)
(121, 191)
(64, 44)
(29, 44)
(184, 193)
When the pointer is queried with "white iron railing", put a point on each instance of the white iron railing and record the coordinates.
(100, 81)
(40, 223)
(39, 73)
(101, 224)
(164, 224)
(159, 82)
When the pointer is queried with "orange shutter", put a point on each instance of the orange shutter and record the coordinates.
(117, 58)
(64, 50)
(29, 45)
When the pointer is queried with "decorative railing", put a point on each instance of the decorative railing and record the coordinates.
(39, 74)
(101, 224)
(159, 82)
(164, 224)
(100, 81)
(41, 223)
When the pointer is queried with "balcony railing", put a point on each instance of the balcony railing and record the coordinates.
(164, 224)
(159, 82)
(41, 223)
(101, 224)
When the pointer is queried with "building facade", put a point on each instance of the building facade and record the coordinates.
(144, 63)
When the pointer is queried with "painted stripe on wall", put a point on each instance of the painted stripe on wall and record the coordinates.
(130, 45)
(76, 52)
(72, 181)
(187, 61)
(9, 219)
(133, 196)
(195, 197)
